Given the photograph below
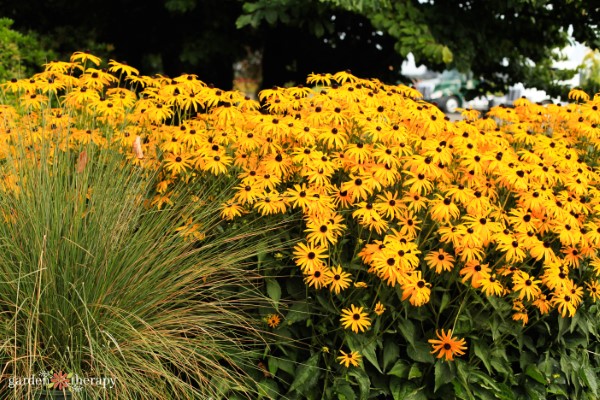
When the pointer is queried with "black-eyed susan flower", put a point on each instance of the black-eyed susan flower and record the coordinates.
(578, 94)
(355, 319)
(178, 163)
(337, 279)
(490, 285)
(122, 68)
(309, 256)
(379, 308)
(526, 286)
(542, 304)
(564, 302)
(593, 288)
(520, 313)
(352, 358)
(439, 260)
(273, 320)
(472, 270)
(324, 229)
(443, 209)
(416, 289)
(317, 278)
(447, 346)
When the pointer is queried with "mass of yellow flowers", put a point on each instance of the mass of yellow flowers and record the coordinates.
(509, 202)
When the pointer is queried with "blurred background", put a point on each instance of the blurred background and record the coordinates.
(251, 44)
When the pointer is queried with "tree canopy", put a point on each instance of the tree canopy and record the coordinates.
(499, 41)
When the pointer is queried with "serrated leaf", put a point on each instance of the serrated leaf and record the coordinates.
(420, 352)
(364, 383)
(298, 312)
(533, 372)
(268, 388)
(590, 379)
(274, 292)
(400, 369)
(391, 351)
(414, 372)
(443, 374)
(408, 331)
(483, 353)
(357, 343)
(444, 302)
(344, 391)
(405, 390)
(273, 365)
(501, 366)
(307, 375)
(535, 392)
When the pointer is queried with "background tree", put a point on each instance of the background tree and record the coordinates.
(590, 72)
(501, 42)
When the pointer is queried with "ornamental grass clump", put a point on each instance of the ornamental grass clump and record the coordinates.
(97, 282)
(434, 259)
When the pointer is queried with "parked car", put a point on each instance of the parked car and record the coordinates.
(448, 89)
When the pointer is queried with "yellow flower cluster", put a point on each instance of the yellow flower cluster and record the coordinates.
(510, 201)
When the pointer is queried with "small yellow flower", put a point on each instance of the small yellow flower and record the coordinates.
(273, 320)
(349, 358)
(360, 285)
(578, 94)
(325, 349)
(379, 308)
(447, 346)
(355, 319)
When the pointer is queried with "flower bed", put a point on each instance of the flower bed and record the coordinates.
(431, 258)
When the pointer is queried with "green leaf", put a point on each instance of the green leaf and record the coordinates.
(284, 17)
(307, 375)
(414, 372)
(533, 372)
(319, 29)
(261, 253)
(443, 374)
(251, 7)
(590, 379)
(444, 302)
(420, 352)
(273, 365)
(364, 383)
(274, 291)
(483, 353)
(268, 388)
(271, 16)
(400, 369)
(447, 55)
(391, 351)
(283, 364)
(535, 391)
(501, 366)
(402, 390)
(408, 331)
(357, 343)
(344, 391)
(298, 312)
